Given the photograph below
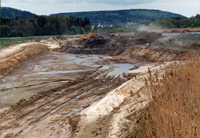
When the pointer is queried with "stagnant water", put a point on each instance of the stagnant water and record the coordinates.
(42, 73)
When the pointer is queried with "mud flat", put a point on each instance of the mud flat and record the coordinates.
(45, 72)
(48, 89)
(57, 94)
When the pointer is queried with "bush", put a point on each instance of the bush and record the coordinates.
(87, 28)
(74, 30)
(197, 45)
(82, 31)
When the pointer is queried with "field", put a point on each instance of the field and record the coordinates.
(8, 41)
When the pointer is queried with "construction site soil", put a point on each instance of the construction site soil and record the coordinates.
(48, 92)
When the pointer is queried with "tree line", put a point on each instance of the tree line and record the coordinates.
(180, 22)
(7, 12)
(122, 16)
(44, 25)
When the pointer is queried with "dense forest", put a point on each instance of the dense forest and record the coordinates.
(21, 23)
(44, 25)
(122, 16)
(179, 22)
(7, 12)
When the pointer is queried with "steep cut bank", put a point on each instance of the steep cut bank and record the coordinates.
(12, 57)
(154, 54)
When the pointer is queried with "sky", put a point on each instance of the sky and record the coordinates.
(45, 7)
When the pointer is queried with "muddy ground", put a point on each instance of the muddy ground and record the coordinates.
(46, 91)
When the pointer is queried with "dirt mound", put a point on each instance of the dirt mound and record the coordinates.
(169, 41)
(59, 40)
(108, 44)
(61, 37)
(155, 54)
(95, 42)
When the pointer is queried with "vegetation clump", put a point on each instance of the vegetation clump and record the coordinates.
(175, 109)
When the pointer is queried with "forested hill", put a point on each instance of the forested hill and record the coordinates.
(7, 12)
(122, 16)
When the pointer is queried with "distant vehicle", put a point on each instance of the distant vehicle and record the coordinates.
(85, 37)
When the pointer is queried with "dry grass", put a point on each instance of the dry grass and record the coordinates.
(175, 108)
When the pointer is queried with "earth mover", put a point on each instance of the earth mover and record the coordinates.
(88, 36)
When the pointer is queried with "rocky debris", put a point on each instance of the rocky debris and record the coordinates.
(93, 51)
(176, 40)
(146, 37)
(61, 37)
(169, 41)
(105, 45)
(95, 42)
(175, 31)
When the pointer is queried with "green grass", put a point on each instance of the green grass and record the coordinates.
(8, 41)
(114, 30)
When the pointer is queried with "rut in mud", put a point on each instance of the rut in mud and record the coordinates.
(53, 108)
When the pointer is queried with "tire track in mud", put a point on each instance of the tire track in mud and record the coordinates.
(27, 86)
(51, 112)
(43, 94)
(27, 120)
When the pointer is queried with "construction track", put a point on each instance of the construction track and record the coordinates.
(53, 107)
(49, 112)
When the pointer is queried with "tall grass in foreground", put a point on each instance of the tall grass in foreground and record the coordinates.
(175, 108)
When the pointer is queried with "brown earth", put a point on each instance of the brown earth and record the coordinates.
(53, 108)
(154, 54)
(88, 103)
(183, 29)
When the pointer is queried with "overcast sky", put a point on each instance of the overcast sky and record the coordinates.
(45, 7)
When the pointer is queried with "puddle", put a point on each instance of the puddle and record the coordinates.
(62, 72)
(39, 72)
(88, 60)
(119, 69)
(106, 67)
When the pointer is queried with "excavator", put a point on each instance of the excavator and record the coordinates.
(85, 37)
